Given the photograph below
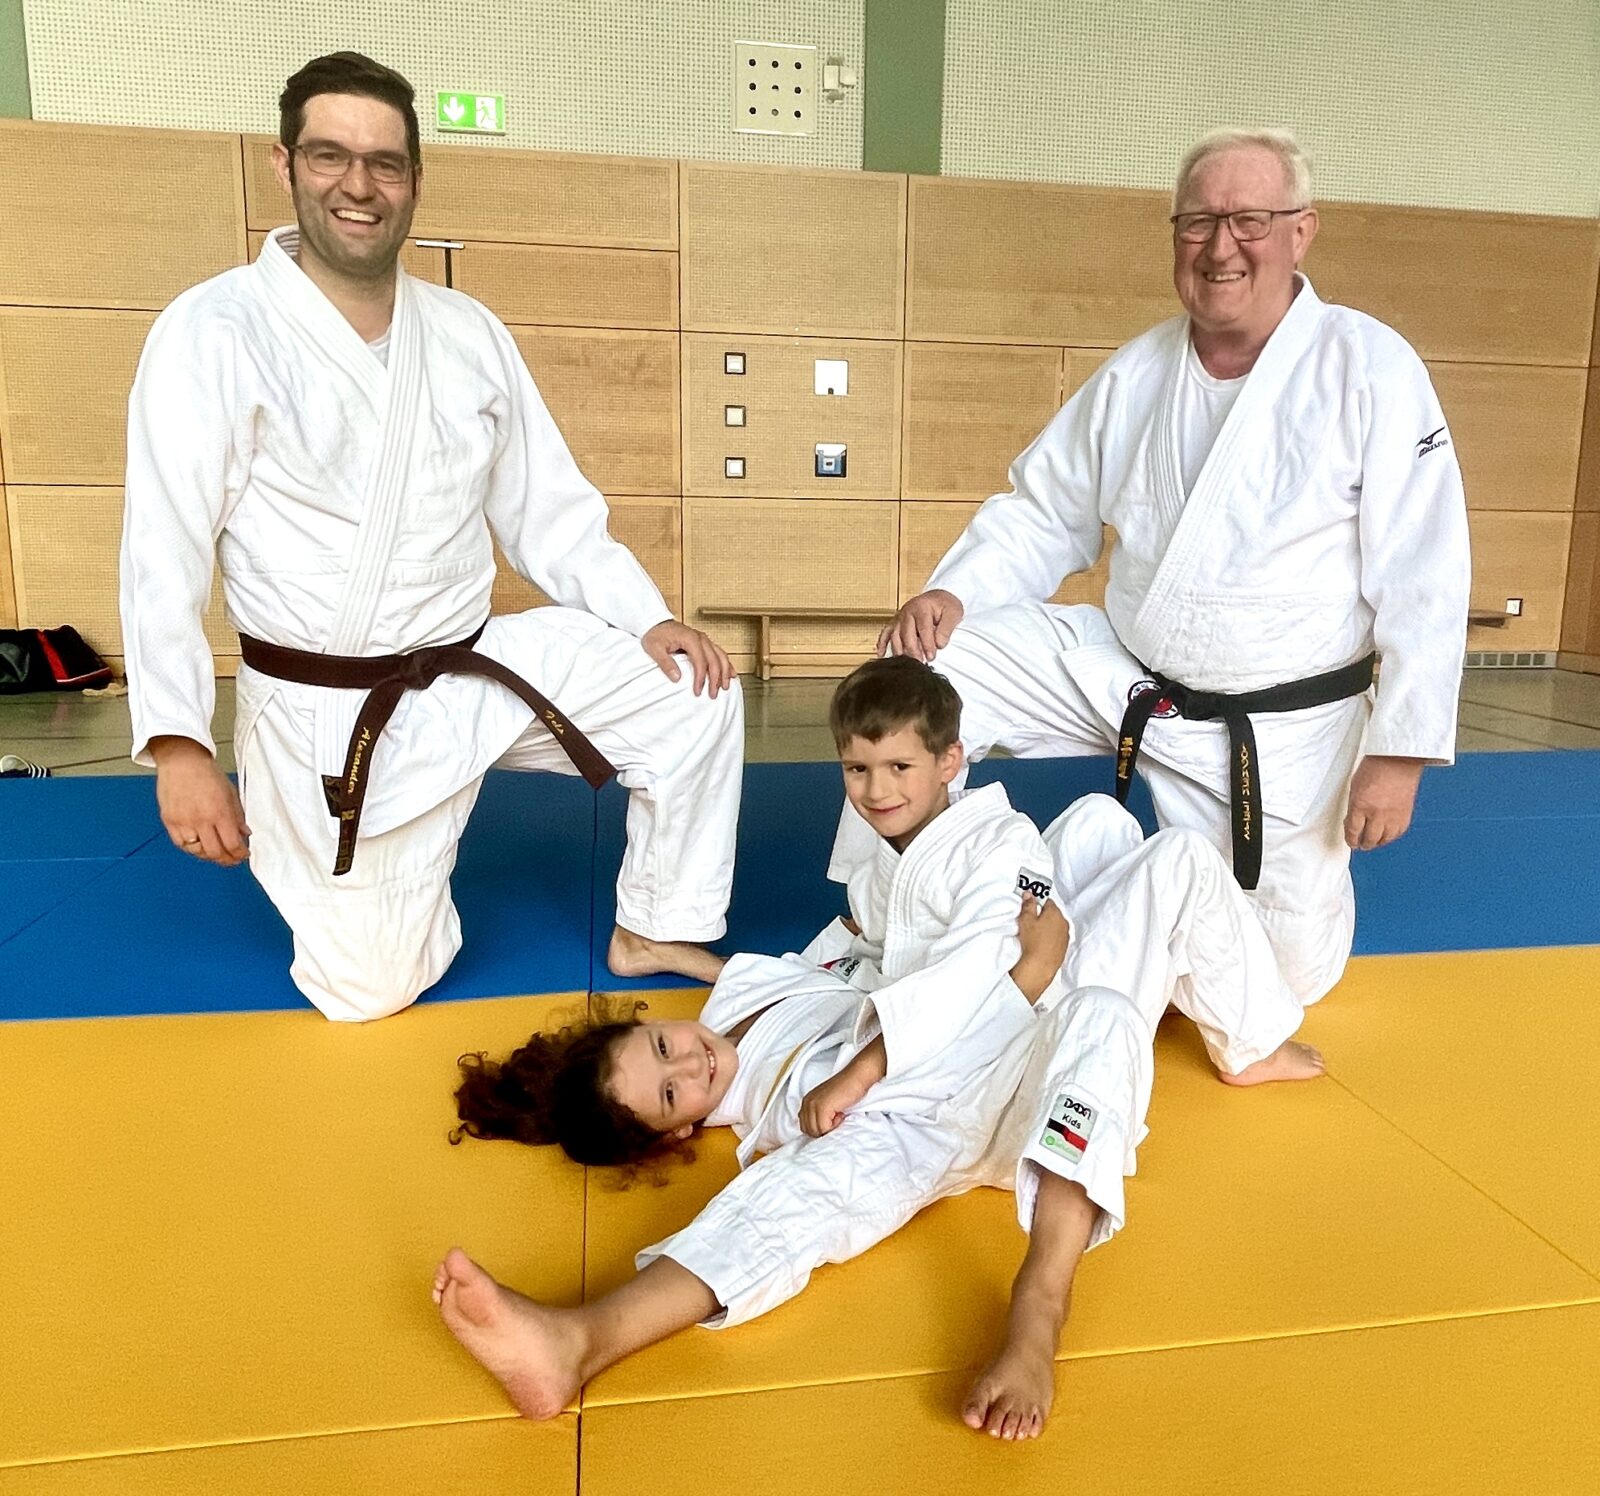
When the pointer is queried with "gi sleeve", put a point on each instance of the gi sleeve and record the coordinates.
(188, 456)
(1021, 545)
(551, 521)
(960, 1009)
(1415, 559)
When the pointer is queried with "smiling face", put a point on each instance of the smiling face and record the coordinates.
(1233, 290)
(898, 784)
(352, 225)
(672, 1075)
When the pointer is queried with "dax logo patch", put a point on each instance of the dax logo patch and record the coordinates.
(1036, 885)
(1433, 441)
(844, 968)
(1164, 707)
(1068, 1127)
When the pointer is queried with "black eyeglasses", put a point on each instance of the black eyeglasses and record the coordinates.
(326, 159)
(1247, 225)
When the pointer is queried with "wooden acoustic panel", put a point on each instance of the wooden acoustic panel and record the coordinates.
(1519, 555)
(1517, 431)
(1028, 262)
(1588, 499)
(424, 263)
(64, 382)
(785, 419)
(790, 250)
(1580, 610)
(99, 217)
(65, 543)
(791, 553)
(1465, 287)
(970, 408)
(1080, 364)
(651, 528)
(927, 531)
(615, 397)
(8, 589)
(515, 197)
(571, 287)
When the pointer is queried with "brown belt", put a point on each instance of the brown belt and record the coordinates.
(385, 679)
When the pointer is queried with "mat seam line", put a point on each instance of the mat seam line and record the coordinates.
(67, 897)
(1472, 1184)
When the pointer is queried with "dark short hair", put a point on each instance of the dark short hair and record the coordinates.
(347, 73)
(885, 695)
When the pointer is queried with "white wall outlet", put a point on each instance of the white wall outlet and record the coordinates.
(1514, 607)
(774, 89)
(733, 415)
(830, 459)
(733, 467)
(733, 363)
(832, 376)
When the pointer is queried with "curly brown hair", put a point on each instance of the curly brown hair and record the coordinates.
(556, 1089)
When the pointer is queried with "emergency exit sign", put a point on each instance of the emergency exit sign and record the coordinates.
(472, 113)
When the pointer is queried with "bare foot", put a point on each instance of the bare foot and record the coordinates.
(1011, 1398)
(1291, 1060)
(631, 955)
(535, 1353)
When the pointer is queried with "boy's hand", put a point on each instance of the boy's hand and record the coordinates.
(1045, 935)
(825, 1106)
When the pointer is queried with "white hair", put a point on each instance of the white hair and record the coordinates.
(1281, 143)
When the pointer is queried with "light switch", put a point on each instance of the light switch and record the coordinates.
(733, 415)
(830, 459)
(733, 363)
(733, 467)
(1514, 607)
(831, 377)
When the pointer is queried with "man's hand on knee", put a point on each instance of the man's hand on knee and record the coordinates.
(1383, 792)
(706, 657)
(923, 626)
(200, 807)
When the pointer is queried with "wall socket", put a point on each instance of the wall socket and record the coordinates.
(774, 89)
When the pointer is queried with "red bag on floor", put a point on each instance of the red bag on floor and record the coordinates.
(48, 660)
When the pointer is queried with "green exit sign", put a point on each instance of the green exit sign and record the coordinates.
(479, 114)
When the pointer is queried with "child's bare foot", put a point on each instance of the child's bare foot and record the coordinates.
(1011, 1398)
(535, 1353)
(1291, 1060)
(631, 955)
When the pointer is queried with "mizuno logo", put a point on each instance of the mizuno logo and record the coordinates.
(1433, 441)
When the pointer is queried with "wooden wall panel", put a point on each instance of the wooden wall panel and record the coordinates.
(1517, 432)
(927, 531)
(98, 217)
(515, 197)
(8, 591)
(553, 285)
(1580, 612)
(1588, 497)
(1464, 287)
(425, 264)
(802, 553)
(969, 410)
(1026, 262)
(1519, 555)
(785, 418)
(786, 250)
(651, 528)
(615, 397)
(64, 382)
(1080, 364)
(65, 543)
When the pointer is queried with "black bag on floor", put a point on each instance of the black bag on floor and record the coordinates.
(48, 660)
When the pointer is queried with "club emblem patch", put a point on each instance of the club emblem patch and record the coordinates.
(1164, 707)
(1035, 885)
(1068, 1128)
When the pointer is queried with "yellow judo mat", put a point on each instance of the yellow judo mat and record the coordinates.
(219, 1233)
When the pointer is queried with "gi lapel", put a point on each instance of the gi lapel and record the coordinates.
(1196, 515)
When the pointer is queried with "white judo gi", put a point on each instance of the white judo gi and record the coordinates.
(1156, 922)
(1327, 521)
(350, 503)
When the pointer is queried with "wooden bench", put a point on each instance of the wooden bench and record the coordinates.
(764, 613)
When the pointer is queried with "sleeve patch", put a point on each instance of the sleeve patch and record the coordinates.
(1068, 1128)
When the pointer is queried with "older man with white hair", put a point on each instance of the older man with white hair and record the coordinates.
(1288, 512)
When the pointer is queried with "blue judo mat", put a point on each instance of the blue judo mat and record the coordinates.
(100, 916)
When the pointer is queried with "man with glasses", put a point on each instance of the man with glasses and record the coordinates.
(344, 440)
(1287, 507)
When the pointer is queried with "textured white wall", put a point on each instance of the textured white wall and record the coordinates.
(1450, 103)
(637, 77)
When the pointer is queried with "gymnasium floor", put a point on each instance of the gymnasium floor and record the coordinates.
(219, 1213)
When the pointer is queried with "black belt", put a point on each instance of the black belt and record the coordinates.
(385, 679)
(1158, 694)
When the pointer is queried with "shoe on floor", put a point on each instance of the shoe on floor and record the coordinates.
(12, 767)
